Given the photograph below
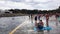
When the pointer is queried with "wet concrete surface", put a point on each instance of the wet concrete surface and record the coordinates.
(7, 25)
(30, 30)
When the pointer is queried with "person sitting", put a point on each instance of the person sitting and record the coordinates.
(40, 25)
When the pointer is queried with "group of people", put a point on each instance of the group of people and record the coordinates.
(40, 24)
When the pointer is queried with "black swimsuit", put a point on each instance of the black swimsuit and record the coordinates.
(39, 26)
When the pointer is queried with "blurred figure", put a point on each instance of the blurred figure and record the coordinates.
(47, 19)
(35, 21)
(39, 17)
(40, 25)
(56, 15)
(13, 18)
(31, 18)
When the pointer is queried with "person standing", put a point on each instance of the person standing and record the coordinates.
(39, 17)
(36, 21)
(47, 19)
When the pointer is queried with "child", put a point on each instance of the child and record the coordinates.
(40, 25)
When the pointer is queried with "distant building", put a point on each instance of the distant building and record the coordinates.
(6, 11)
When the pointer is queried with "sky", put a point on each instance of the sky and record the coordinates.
(30, 4)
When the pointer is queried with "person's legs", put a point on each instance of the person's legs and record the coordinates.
(47, 22)
(40, 27)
